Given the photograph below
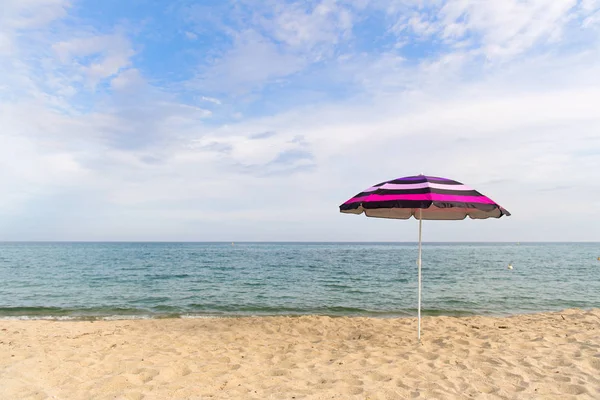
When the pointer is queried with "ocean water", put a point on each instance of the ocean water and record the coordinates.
(125, 280)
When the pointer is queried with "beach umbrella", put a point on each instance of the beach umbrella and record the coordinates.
(424, 198)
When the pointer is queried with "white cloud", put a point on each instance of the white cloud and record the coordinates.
(590, 5)
(252, 61)
(31, 14)
(191, 35)
(109, 54)
(211, 100)
(5, 43)
(26, 16)
(129, 79)
(306, 26)
(32, 168)
(258, 150)
(496, 29)
(275, 41)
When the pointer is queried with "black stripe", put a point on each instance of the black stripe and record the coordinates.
(387, 204)
(443, 181)
(421, 204)
(363, 194)
(351, 206)
(456, 204)
(403, 181)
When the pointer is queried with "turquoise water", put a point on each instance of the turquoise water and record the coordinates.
(100, 280)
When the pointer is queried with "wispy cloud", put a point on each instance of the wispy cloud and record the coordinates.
(497, 30)
(95, 58)
(211, 100)
(26, 16)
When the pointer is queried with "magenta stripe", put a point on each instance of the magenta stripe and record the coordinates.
(421, 197)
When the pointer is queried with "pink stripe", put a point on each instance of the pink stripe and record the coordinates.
(425, 196)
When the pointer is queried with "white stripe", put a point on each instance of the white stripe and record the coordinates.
(399, 186)
(371, 189)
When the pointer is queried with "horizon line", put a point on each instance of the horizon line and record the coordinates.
(290, 241)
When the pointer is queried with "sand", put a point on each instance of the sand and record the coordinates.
(539, 356)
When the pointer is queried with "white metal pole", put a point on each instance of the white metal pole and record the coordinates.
(419, 264)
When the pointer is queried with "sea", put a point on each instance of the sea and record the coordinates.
(90, 281)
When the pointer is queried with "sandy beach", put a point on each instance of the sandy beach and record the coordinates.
(546, 356)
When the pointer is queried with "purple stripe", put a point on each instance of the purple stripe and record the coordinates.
(439, 178)
(421, 197)
(410, 178)
(406, 186)
(419, 177)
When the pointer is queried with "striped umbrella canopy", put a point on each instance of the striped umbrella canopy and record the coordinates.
(424, 198)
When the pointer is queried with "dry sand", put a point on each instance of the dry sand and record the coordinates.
(540, 356)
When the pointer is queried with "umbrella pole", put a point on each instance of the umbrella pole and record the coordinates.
(419, 264)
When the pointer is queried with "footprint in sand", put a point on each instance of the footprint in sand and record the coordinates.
(279, 372)
(595, 363)
(134, 396)
(323, 384)
(171, 373)
(487, 371)
(572, 389)
(353, 391)
(354, 381)
(560, 378)
(379, 377)
(431, 356)
(145, 374)
(401, 384)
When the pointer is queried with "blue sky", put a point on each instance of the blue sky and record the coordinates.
(254, 120)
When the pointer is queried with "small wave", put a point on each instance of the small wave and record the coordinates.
(37, 317)
(168, 276)
(74, 317)
(21, 311)
(336, 286)
(57, 313)
(200, 316)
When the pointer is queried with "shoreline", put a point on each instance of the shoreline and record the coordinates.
(542, 355)
(188, 315)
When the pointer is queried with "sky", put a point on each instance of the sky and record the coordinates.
(152, 120)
